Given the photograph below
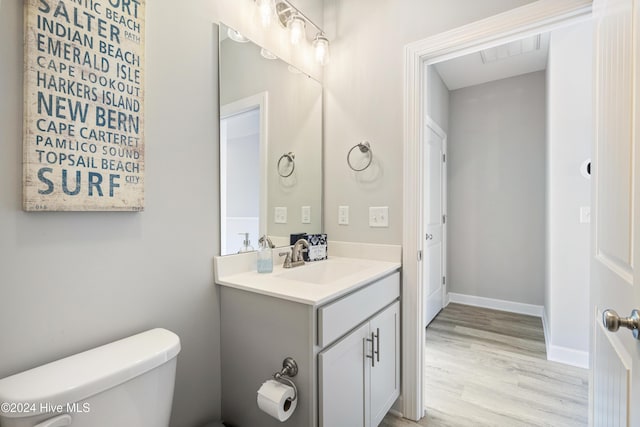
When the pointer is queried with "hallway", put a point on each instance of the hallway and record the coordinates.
(489, 368)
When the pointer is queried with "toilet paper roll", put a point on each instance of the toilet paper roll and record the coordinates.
(276, 399)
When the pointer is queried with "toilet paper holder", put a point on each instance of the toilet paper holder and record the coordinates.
(289, 370)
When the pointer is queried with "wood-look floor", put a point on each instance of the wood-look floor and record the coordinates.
(488, 368)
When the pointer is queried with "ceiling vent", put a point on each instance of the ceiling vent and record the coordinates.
(509, 50)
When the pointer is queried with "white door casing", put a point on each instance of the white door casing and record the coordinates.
(615, 284)
(434, 199)
(533, 18)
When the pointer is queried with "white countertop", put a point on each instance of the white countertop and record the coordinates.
(292, 284)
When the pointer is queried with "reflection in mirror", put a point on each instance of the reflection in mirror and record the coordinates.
(270, 148)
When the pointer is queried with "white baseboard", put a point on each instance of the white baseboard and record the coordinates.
(497, 304)
(556, 353)
(568, 356)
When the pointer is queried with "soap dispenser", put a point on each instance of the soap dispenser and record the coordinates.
(265, 256)
(246, 244)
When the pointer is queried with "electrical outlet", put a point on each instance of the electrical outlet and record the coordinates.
(379, 216)
(306, 214)
(280, 215)
(343, 215)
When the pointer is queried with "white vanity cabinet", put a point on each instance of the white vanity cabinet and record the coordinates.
(359, 366)
(360, 374)
(328, 328)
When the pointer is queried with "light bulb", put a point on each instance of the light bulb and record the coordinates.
(296, 27)
(236, 36)
(267, 10)
(321, 46)
(266, 54)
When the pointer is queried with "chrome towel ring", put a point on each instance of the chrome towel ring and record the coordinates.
(291, 160)
(364, 147)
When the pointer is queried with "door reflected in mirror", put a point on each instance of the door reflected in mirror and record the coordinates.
(242, 161)
(270, 148)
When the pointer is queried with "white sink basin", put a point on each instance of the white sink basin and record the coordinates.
(314, 283)
(323, 272)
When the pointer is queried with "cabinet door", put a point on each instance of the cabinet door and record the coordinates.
(344, 381)
(385, 375)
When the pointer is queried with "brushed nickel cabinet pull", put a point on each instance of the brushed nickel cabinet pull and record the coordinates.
(372, 357)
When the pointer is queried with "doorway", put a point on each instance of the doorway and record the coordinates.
(494, 103)
(531, 19)
(243, 148)
(497, 210)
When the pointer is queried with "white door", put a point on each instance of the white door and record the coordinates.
(434, 203)
(615, 357)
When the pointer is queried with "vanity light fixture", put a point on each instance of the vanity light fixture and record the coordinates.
(267, 10)
(296, 22)
(296, 26)
(236, 36)
(321, 46)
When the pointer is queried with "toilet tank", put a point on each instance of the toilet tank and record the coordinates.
(125, 383)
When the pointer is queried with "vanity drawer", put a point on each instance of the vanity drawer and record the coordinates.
(337, 318)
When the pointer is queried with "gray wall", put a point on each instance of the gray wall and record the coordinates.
(71, 281)
(496, 193)
(364, 100)
(569, 139)
(312, 9)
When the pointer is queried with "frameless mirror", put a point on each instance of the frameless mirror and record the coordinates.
(270, 147)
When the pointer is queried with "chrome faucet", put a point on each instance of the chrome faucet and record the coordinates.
(294, 258)
(266, 241)
(296, 251)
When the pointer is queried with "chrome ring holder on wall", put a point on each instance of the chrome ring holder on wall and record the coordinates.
(289, 369)
(291, 161)
(364, 147)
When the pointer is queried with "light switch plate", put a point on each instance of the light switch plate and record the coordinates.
(305, 213)
(343, 215)
(280, 215)
(585, 214)
(379, 216)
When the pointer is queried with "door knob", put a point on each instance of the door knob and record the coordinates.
(612, 322)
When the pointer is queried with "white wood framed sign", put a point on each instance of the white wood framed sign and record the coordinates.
(83, 145)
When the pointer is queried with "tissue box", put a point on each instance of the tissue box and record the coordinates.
(317, 245)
